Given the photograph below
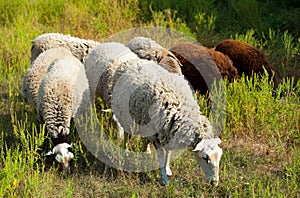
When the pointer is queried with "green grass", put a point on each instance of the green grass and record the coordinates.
(261, 136)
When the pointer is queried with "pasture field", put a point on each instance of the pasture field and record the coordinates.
(261, 132)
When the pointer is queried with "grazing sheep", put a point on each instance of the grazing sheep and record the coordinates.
(147, 48)
(158, 104)
(37, 70)
(195, 58)
(62, 90)
(79, 47)
(246, 58)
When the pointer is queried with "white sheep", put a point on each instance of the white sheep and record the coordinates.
(37, 70)
(79, 47)
(100, 80)
(62, 90)
(100, 66)
(159, 104)
(147, 48)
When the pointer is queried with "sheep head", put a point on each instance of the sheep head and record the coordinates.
(208, 155)
(62, 155)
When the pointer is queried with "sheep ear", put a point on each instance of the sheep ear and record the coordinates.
(49, 153)
(199, 146)
(59, 158)
(212, 142)
(218, 141)
(70, 155)
(66, 145)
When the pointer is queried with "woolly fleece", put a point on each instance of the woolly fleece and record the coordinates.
(79, 47)
(101, 64)
(147, 48)
(195, 58)
(62, 90)
(158, 104)
(246, 58)
(37, 70)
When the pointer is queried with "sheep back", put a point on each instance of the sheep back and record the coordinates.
(101, 64)
(195, 58)
(79, 47)
(224, 64)
(150, 101)
(57, 96)
(37, 70)
(246, 58)
(147, 48)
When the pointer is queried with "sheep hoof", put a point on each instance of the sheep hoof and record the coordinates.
(164, 177)
(164, 181)
(169, 172)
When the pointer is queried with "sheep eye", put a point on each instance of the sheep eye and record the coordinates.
(206, 158)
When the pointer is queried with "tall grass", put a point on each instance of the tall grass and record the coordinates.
(232, 15)
(267, 25)
(261, 132)
(253, 112)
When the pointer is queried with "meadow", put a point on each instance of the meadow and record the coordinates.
(261, 132)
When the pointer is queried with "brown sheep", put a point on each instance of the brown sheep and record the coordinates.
(212, 65)
(246, 58)
(224, 64)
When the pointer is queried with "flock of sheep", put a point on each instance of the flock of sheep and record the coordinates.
(145, 85)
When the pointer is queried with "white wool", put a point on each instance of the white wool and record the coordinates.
(79, 47)
(101, 64)
(62, 90)
(37, 70)
(147, 48)
(155, 101)
(150, 101)
(115, 73)
(142, 46)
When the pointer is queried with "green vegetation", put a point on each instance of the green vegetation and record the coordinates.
(261, 136)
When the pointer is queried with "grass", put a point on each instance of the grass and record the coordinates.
(261, 135)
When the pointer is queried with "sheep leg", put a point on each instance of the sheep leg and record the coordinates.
(161, 158)
(168, 159)
(119, 126)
